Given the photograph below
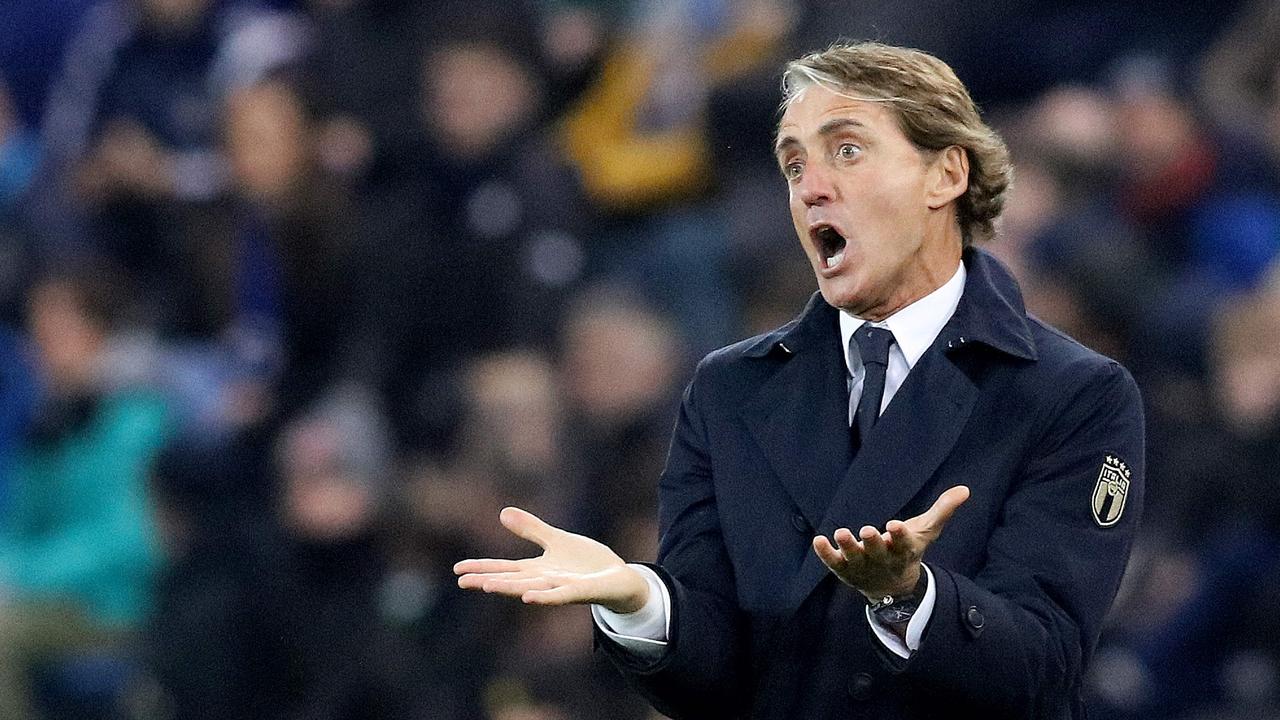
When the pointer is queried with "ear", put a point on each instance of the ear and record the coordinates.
(948, 177)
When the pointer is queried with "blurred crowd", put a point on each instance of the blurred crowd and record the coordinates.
(296, 295)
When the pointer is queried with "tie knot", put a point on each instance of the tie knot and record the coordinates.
(873, 344)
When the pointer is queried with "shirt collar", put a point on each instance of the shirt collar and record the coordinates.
(915, 326)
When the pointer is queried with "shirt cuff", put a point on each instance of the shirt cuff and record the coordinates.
(645, 631)
(915, 627)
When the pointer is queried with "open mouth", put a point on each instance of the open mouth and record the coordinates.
(830, 244)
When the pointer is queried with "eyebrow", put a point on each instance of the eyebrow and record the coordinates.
(829, 127)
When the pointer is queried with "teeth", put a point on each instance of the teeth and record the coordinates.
(834, 260)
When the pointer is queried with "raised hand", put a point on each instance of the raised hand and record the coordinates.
(572, 570)
(888, 563)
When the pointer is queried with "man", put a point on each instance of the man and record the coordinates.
(914, 382)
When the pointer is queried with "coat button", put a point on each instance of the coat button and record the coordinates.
(860, 686)
(799, 523)
(974, 618)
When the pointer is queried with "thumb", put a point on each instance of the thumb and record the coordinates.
(527, 525)
(945, 506)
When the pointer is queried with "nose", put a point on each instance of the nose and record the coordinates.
(815, 186)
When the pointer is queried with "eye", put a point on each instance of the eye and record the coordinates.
(848, 151)
(792, 170)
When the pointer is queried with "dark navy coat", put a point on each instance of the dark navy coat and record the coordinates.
(1047, 434)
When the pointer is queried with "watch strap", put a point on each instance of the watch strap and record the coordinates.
(898, 610)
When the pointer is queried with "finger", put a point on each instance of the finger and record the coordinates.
(485, 565)
(944, 507)
(495, 587)
(873, 543)
(472, 582)
(511, 583)
(517, 587)
(828, 554)
(850, 547)
(578, 592)
(903, 539)
(848, 544)
(527, 525)
(896, 530)
(476, 581)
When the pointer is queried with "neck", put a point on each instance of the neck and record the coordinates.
(934, 266)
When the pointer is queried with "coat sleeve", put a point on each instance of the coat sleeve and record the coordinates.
(1015, 638)
(701, 672)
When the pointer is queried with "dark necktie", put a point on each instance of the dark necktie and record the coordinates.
(873, 347)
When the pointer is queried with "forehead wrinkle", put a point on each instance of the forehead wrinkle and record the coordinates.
(829, 128)
(835, 125)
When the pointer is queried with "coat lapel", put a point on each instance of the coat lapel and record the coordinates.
(800, 416)
(915, 434)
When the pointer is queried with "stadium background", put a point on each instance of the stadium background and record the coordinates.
(296, 295)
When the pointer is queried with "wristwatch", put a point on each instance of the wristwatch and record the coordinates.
(898, 610)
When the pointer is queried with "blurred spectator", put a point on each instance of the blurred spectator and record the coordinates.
(516, 424)
(641, 142)
(1169, 164)
(1086, 265)
(132, 123)
(364, 84)
(270, 269)
(620, 363)
(1207, 233)
(315, 626)
(78, 548)
(293, 627)
(517, 449)
(361, 82)
(486, 216)
(510, 451)
(1196, 623)
(1240, 78)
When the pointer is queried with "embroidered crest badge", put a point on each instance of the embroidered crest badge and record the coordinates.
(1110, 492)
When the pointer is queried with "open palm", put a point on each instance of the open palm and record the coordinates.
(877, 563)
(572, 569)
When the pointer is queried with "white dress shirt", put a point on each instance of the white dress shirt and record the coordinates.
(914, 327)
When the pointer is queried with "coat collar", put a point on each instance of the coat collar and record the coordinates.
(812, 326)
(991, 312)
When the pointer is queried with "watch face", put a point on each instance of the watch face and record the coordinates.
(894, 614)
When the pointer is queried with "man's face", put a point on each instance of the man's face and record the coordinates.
(865, 203)
(475, 95)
